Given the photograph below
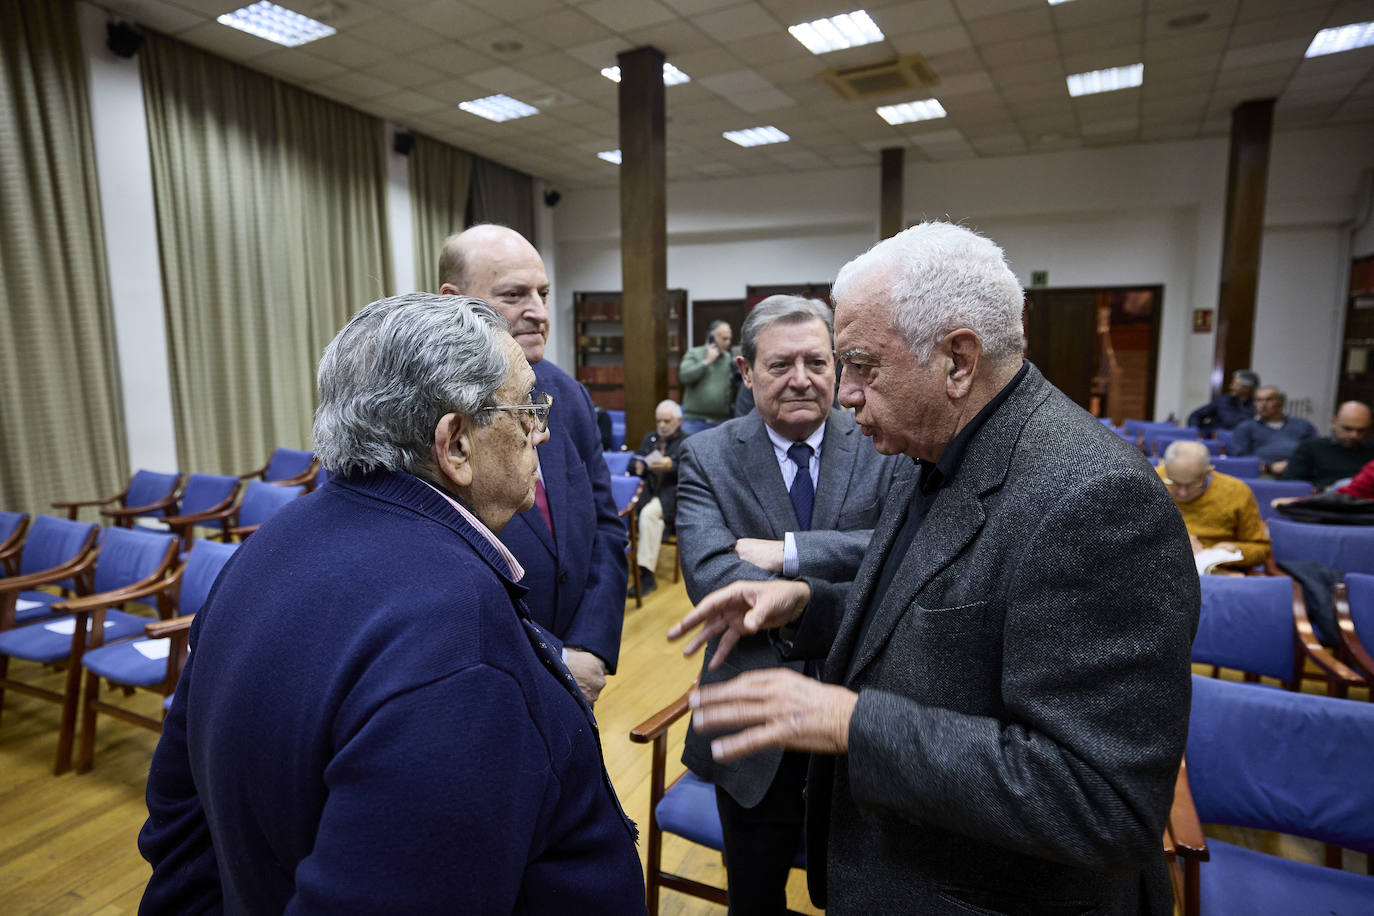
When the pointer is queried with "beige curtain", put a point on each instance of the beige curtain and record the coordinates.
(503, 195)
(61, 426)
(439, 179)
(271, 213)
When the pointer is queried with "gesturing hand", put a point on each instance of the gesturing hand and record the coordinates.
(741, 609)
(776, 707)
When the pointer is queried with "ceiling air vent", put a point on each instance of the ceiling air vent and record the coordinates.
(907, 73)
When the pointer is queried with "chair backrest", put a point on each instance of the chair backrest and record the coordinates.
(1135, 427)
(149, 487)
(287, 462)
(52, 542)
(690, 427)
(202, 568)
(128, 555)
(617, 462)
(1244, 468)
(9, 524)
(1349, 548)
(623, 490)
(1267, 490)
(1286, 762)
(1247, 624)
(1223, 436)
(1213, 447)
(1157, 440)
(1359, 589)
(205, 491)
(262, 500)
(617, 427)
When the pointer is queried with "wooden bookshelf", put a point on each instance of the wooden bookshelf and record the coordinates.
(601, 344)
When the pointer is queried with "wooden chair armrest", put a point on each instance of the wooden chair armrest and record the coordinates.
(129, 511)
(243, 531)
(1184, 829)
(222, 511)
(658, 723)
(258, 473)
(162, 629)
(80, 503)
(1350, 640)
(114, 596)
(304, 478)
(1319, 654)
(49, 576)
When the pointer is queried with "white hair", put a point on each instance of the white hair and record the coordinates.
(669, 402)
(1188, 451)
(939, 278)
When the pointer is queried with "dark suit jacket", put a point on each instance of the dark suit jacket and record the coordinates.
(576, 576)
(729, 487)
(664, 485)
(1023, 685)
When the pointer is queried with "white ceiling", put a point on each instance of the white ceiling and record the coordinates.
(1001, 65)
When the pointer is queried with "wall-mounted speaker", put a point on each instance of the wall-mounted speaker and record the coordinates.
(122, 39)
(403, 142)
(552, 196)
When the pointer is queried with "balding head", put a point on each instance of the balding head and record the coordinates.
(1187, 469)
(1351, 423)
(499, 265)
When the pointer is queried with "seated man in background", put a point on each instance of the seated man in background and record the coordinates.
(658, 506)
(1339, 456)
(1227, 410)
(1219, 510)
(369, 721)
(1270, 436)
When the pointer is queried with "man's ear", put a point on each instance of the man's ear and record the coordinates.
(453, 450)
(964, 349)
(745, 373)
(448, 289)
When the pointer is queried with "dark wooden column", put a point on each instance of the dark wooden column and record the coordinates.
(1246, 181)
(643, 237)
(890, 220)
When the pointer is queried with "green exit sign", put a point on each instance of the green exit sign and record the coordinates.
(1040, 278)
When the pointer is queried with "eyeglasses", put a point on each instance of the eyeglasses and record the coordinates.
(1189, 486)
(538, 407)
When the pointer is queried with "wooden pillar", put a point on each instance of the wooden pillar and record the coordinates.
(1246, 181)
(890, 219)
(643, 237)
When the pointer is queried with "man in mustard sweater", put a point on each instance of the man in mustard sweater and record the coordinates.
(1219, 510)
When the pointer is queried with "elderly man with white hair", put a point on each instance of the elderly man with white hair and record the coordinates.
(1219, 510)
(1004, 700)
(656, 461)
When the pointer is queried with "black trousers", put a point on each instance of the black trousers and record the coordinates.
(762, 841)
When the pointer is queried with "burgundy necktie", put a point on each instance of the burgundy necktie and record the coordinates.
(541, 499)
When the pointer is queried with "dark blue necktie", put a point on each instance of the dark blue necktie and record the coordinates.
(803, 492)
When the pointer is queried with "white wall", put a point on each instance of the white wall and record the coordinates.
(398, 217)
(1148, 214)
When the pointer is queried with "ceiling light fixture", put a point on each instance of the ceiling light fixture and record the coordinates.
(906, 112)
(498, 108)
(1341, 38)
(847, 30)
(756, 136)
(1057, 2)
(276, 24)
(672, 76)
(1109, 80)
(611, 155)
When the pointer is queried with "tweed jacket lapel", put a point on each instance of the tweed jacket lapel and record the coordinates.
(838, 450)
(752, 463)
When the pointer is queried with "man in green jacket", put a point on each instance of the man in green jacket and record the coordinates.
(705, 376)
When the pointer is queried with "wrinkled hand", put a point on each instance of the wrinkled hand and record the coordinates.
(1277, 467)
(741, 609)
(589, 672)
(1283, 500)
(762, 553)
(775, 707)
(658, 461)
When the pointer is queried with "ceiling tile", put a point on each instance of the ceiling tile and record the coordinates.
(1004, 145)
(521, 10)
(155, 14)
(698, 64)
(554, 67)
(955, 62)
(1025, 23)
(1287, 51)
(918, 16)
(344, 49)
(1193, 45)
(624, 15)
(1100, 59)
(353, 85)
(765, 100)
(451, 20)
(450, 59)
(742, 21)
(565, 27)
(977, 9)
(600, 53)
(507, 44)
(771, 48)
(932, 42)
(1158, 19)
(1300, 23)
(1237, 76)
(402, 71)
(963, 84)
(394, 34)
(503, 79)
(298, 66)
(735, 82)
(408, 101)
(692, 7)
(1011, 53)
(1078, 15)
(1116, 34)
(233, 44)
(672, 38)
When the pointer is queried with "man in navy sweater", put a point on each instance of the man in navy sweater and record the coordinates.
(369, 721)
(573, 547)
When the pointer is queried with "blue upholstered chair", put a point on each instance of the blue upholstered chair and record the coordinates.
(1138, 427)
(1224, 436)
(617, 428)
(1244, 468)
(154, 660)
(1259, 625)
(55, 551)
(287, 467)
(128, 561)
(1266, 491)
(618, 463)
(685, 807)
(1349, 548)
(205, 496)
(1157, 440)
(695, 426)
(1214, 448)
(13, 528)
(149, 493)
(1285, 762)
(1354, 600)
(260, 502)
(627, 491)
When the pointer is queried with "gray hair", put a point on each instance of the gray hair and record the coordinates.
(788, 310)
(395, 369)
(1188, 451)
(1249, 378)
(941, 277)
(669, 402)
(1278, 395)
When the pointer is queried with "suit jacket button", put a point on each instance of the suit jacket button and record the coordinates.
(563, 576)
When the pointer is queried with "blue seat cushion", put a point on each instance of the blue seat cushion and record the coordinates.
(124, 664)
(28, 615)
(39, 644)
(1242, 881)
(688, 810)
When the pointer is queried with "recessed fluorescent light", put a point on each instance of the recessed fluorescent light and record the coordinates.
(1057, 2)
(847, 30)
(498, 108)
(1106, 80)
(611, 155)
(906, 112)
(275, 23)
(1341, 38)
(672, 76)
(756, 136)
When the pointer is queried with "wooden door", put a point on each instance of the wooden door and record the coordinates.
(1061, 338)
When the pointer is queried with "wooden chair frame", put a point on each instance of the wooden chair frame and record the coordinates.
(305, 478)
(184, 526)
(1352, 649)
(1185, 846)
(13, 546)
(627, 513)
(124, 514)
(81, 563)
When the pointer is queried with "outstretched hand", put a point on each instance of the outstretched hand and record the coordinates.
(739, 609)
(775, 707)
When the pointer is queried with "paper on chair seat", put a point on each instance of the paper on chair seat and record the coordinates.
(68, 627)
(24, 604)
(154, 648)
